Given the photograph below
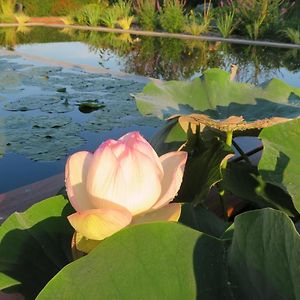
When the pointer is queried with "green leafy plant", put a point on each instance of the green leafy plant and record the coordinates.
(148, 17)
(258, 16)
(118, 13)
(110, 17)
(293, 35)
(172, 17)
(89, 14)
(122, 8)
(225, 23)
(194, 25)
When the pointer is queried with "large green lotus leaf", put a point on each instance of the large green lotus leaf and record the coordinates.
(171, 261)
(279, 164)
(215, 95)
(34, 246)
(245, 182)
(264, 256)
(203, 168)
(202, 219)
(148, 261)
(168, 138)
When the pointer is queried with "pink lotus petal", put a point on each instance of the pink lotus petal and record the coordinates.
(97, 224)
(75, 177)
(170, 212)
(121, 175)
(173, 164)
(137, 142)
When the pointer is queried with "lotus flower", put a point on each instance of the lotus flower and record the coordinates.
(123, 182)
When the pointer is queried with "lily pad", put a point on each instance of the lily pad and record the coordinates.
(41, 138)
(9, 80)
(45, 70)
(90, 106)
(61, 90)
(31, 103)
(60, 107)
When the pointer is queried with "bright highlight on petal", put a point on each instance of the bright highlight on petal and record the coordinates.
(97, 224)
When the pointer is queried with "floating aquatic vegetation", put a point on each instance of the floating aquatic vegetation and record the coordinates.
(59, 107)
(31, 103)
(35, 124)
(90, 106)
(61, 90)
(41, 138)
(9, 81)
(44, 70)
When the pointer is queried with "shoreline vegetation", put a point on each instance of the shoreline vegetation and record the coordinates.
(54, 23)
(234, 21)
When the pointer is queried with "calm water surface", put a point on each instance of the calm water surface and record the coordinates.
(161, 58)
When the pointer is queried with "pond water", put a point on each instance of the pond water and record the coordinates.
(45, 110)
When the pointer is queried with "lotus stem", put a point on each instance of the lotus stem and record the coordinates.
(229, 138)
(222, 192)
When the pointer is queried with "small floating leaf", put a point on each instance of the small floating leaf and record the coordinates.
(61, 90)
(89, 106)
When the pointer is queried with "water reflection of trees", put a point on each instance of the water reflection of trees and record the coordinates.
(13, 36)
(169, 58)
(8, 37)
(183, 59)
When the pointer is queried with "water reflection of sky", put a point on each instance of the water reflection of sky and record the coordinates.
(76, 53)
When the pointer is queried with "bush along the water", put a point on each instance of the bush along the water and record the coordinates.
(253, 19)
(172, 16)
(147, 15)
